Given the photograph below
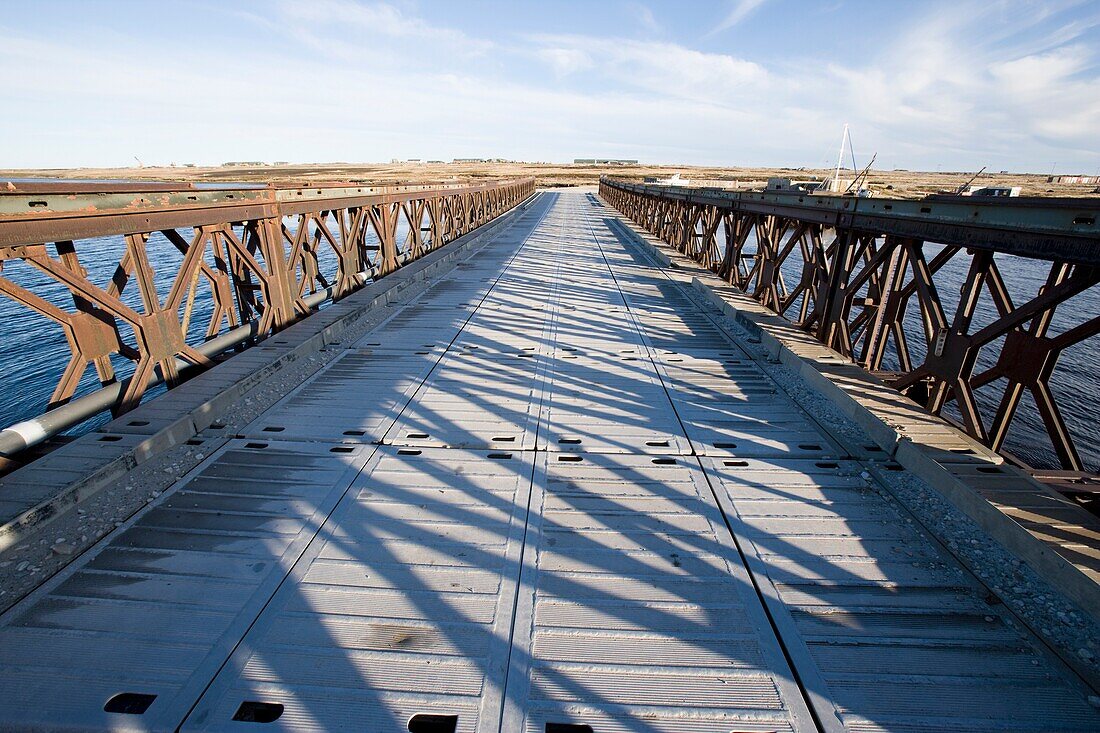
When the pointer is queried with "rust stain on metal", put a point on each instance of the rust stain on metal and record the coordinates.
(255, 268)
(857, 283)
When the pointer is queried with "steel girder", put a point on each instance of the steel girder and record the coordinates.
(259, 253)
(851, 280)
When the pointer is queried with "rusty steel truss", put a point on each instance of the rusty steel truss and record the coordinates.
(255, 251)
(849, 270)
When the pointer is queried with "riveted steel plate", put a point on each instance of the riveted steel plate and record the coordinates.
(475, 399)
(154, 610)
(608, 403)
(898, 636)
(637, 608)
(729, 407)
(355, 399)
(691, 332)
(505, 332)
(596, 330)
(418, 326)
(635, 612)
(401, 607)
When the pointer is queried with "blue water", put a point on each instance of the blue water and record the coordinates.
(1074, 382)
(33, 350)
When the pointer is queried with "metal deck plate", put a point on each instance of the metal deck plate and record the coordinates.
(401, 607)
(505, 331)
(684, 333)
(355, 399)
(418, 325)
(608, 403)
(898, 635)
(587, 329)
(730, 408)
(460, 288)
(635, 612)
(152, 612)
(475, 400)
(637, 608)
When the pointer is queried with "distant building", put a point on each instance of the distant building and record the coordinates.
(997, 191)
(1074, 179)
(673, 180)
(244, 164)
(604, 161)
(470, 160)
(786, 185)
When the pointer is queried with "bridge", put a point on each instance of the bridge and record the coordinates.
(486, 458)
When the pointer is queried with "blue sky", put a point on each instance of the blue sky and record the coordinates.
(953, 85)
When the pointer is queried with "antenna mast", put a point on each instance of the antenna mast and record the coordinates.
(846, 137)
(856, 182)
(840, 158)
(973, 178)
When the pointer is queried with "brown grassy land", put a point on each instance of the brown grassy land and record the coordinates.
(897, 184)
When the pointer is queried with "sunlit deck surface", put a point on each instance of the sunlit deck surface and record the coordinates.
(550, 494)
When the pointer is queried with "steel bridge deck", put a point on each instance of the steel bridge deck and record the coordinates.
(551, 494)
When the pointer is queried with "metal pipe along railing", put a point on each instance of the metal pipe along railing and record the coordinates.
(257, 255)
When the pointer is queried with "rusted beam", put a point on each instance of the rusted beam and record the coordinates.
(856, 291)
(253, 251)
(1064, 230)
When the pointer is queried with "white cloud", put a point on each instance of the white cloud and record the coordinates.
(565, 61)
(664, 69)
(377, 19)
(646, 19)
(987, 101)
(1039, 72)
(739, 10)
(961, 85)
(1052, 82)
